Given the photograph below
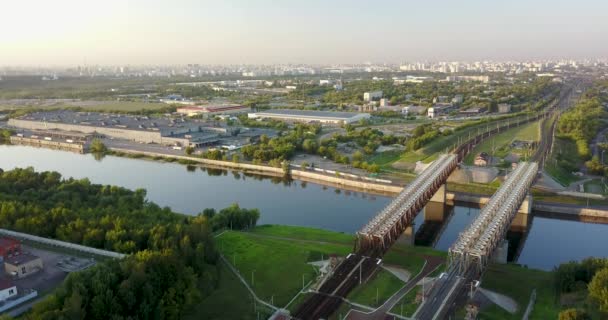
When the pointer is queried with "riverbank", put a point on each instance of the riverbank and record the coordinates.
(350, 183)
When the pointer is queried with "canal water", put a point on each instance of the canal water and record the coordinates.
(544, 243)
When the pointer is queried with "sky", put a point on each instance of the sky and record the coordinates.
(138, 32)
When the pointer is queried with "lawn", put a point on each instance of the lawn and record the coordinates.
(518, 282)
(500, 144)
(377, 290)
(304, 233)
(407, 306)
(276, 266)
(230, 301)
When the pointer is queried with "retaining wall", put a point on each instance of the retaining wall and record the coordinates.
(76, 147)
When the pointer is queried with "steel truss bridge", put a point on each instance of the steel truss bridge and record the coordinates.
(472, 251)
(378, 235)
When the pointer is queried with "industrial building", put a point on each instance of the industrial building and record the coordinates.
(162, 130)
(23, 265)
(210, 111)
(324, 117)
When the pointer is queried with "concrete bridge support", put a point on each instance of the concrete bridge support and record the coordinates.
(439, 196)
(526, 205)
(502, 252)
(408, 236)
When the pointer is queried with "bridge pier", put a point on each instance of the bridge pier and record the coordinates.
(501, 253)
(439, 196)
(408, 236)
(526, 205)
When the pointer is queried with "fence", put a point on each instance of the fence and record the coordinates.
(61, 244)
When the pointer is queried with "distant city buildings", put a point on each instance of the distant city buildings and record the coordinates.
(484, 79)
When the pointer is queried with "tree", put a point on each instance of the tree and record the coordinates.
(189, 150)
(309, 145)
(97, 146)
(574, 314)
(598, 289)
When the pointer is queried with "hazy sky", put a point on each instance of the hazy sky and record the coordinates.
(71, 32)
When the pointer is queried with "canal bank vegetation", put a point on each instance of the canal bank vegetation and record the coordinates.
(582, 289)
(172, 264)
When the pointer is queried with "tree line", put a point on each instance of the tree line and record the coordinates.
(172, 261)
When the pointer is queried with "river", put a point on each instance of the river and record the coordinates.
(190, 189)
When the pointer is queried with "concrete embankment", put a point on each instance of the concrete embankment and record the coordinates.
(376, 188)
(57, 145)
(309, 176)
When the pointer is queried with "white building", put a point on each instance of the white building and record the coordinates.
(7, 289)
(373, 95)
(308, 116)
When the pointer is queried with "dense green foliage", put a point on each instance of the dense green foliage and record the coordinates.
(97, 146)
(598, 289)
(581, 124)
(5, 134)
(172, 261)
(283, 147)
(589, 276)
(574, 314)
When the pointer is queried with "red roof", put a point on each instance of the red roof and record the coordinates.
(5, 284)
(8, 242)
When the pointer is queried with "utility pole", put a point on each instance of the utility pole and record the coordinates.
(252, 279)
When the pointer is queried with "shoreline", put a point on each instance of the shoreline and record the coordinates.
(370, 187)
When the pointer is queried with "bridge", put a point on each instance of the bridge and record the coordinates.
(474, 248)
(385, 228)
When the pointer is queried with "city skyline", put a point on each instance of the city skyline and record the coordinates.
(68, 32)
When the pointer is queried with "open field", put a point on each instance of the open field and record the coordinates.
(103, 106)
(275, 266)
(518, 282)
(377, 290)
(500, 144)
(230, 301)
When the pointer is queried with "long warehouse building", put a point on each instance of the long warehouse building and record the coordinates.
(165, 131)
(325, 117)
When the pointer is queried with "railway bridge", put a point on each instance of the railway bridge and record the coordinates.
(475, 247)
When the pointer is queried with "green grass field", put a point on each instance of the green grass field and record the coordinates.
(278, 265)
(382, 286)
(303, 233)
(230, 301)
(407, 305)
(103, 106)
(518, 282)
(499, 145)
